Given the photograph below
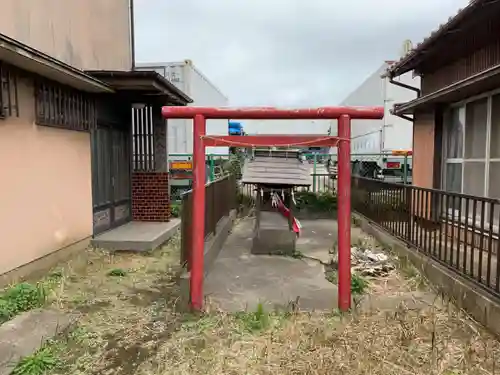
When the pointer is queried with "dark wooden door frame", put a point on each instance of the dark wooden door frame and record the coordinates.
(108, 171)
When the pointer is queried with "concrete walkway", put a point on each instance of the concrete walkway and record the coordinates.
(319, 236)
(240, 280)
(137, 236)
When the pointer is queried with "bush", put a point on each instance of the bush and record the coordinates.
(234, 164)
(244, 200)
(382, 200)
(316, 202)
(176, 209)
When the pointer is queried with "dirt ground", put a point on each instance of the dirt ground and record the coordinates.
(129, 324)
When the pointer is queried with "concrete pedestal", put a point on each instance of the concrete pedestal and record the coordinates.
(272, 235)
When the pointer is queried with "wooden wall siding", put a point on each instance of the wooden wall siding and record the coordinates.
(423, 150)
(463, 68)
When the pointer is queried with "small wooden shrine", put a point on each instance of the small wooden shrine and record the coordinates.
(275, 174)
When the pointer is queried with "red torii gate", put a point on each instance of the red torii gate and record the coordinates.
(344, 115)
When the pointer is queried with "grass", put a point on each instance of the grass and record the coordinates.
(117, 272)
(406, 342)
(359, 284)
(254, 321)
(40, 363)
(132, 325)
(296, 254)
(409, 271)
(20, 298)
(125, 302)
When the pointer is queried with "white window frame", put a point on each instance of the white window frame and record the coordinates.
(487, 159)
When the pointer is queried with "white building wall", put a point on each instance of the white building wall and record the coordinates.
(204, 93)
(319, 127)
(398, 131)
(391, 133)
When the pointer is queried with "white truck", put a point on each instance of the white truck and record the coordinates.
(380, 144)
(185, 76)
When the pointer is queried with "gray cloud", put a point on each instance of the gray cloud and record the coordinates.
(284, 52)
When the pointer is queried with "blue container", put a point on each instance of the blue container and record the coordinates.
(235, 128)
(235, 125)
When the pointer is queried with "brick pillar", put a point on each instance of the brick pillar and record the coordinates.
(150, 200)
(150, 190)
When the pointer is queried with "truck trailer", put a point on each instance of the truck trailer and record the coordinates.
(385, 145)
(185, 76)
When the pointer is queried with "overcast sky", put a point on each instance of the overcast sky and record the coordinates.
(284, 52)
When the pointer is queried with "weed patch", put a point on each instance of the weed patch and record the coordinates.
(117, 272)
(359, 284)
(20, 298)
(257, 320)
(39, 363)
(408, 270)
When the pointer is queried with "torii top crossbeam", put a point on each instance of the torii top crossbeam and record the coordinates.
(270, 113)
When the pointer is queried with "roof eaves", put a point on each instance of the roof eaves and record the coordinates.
(403, 65)
(158, 80)
(171, 87)
(45, 65)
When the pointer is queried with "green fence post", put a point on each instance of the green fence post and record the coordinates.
(315, 158)
(405, 169)
(212, 167)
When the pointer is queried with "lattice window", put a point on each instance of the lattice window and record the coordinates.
(143, 148)
(8, 91)
(60, 106)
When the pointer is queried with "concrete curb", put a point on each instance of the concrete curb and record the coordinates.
(463, 293)
(214, 244)
(213, 247)
(26, 333)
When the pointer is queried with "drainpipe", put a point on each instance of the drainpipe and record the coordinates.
(384, 122)
(405, 117)
(132, 32)
(404, 85)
